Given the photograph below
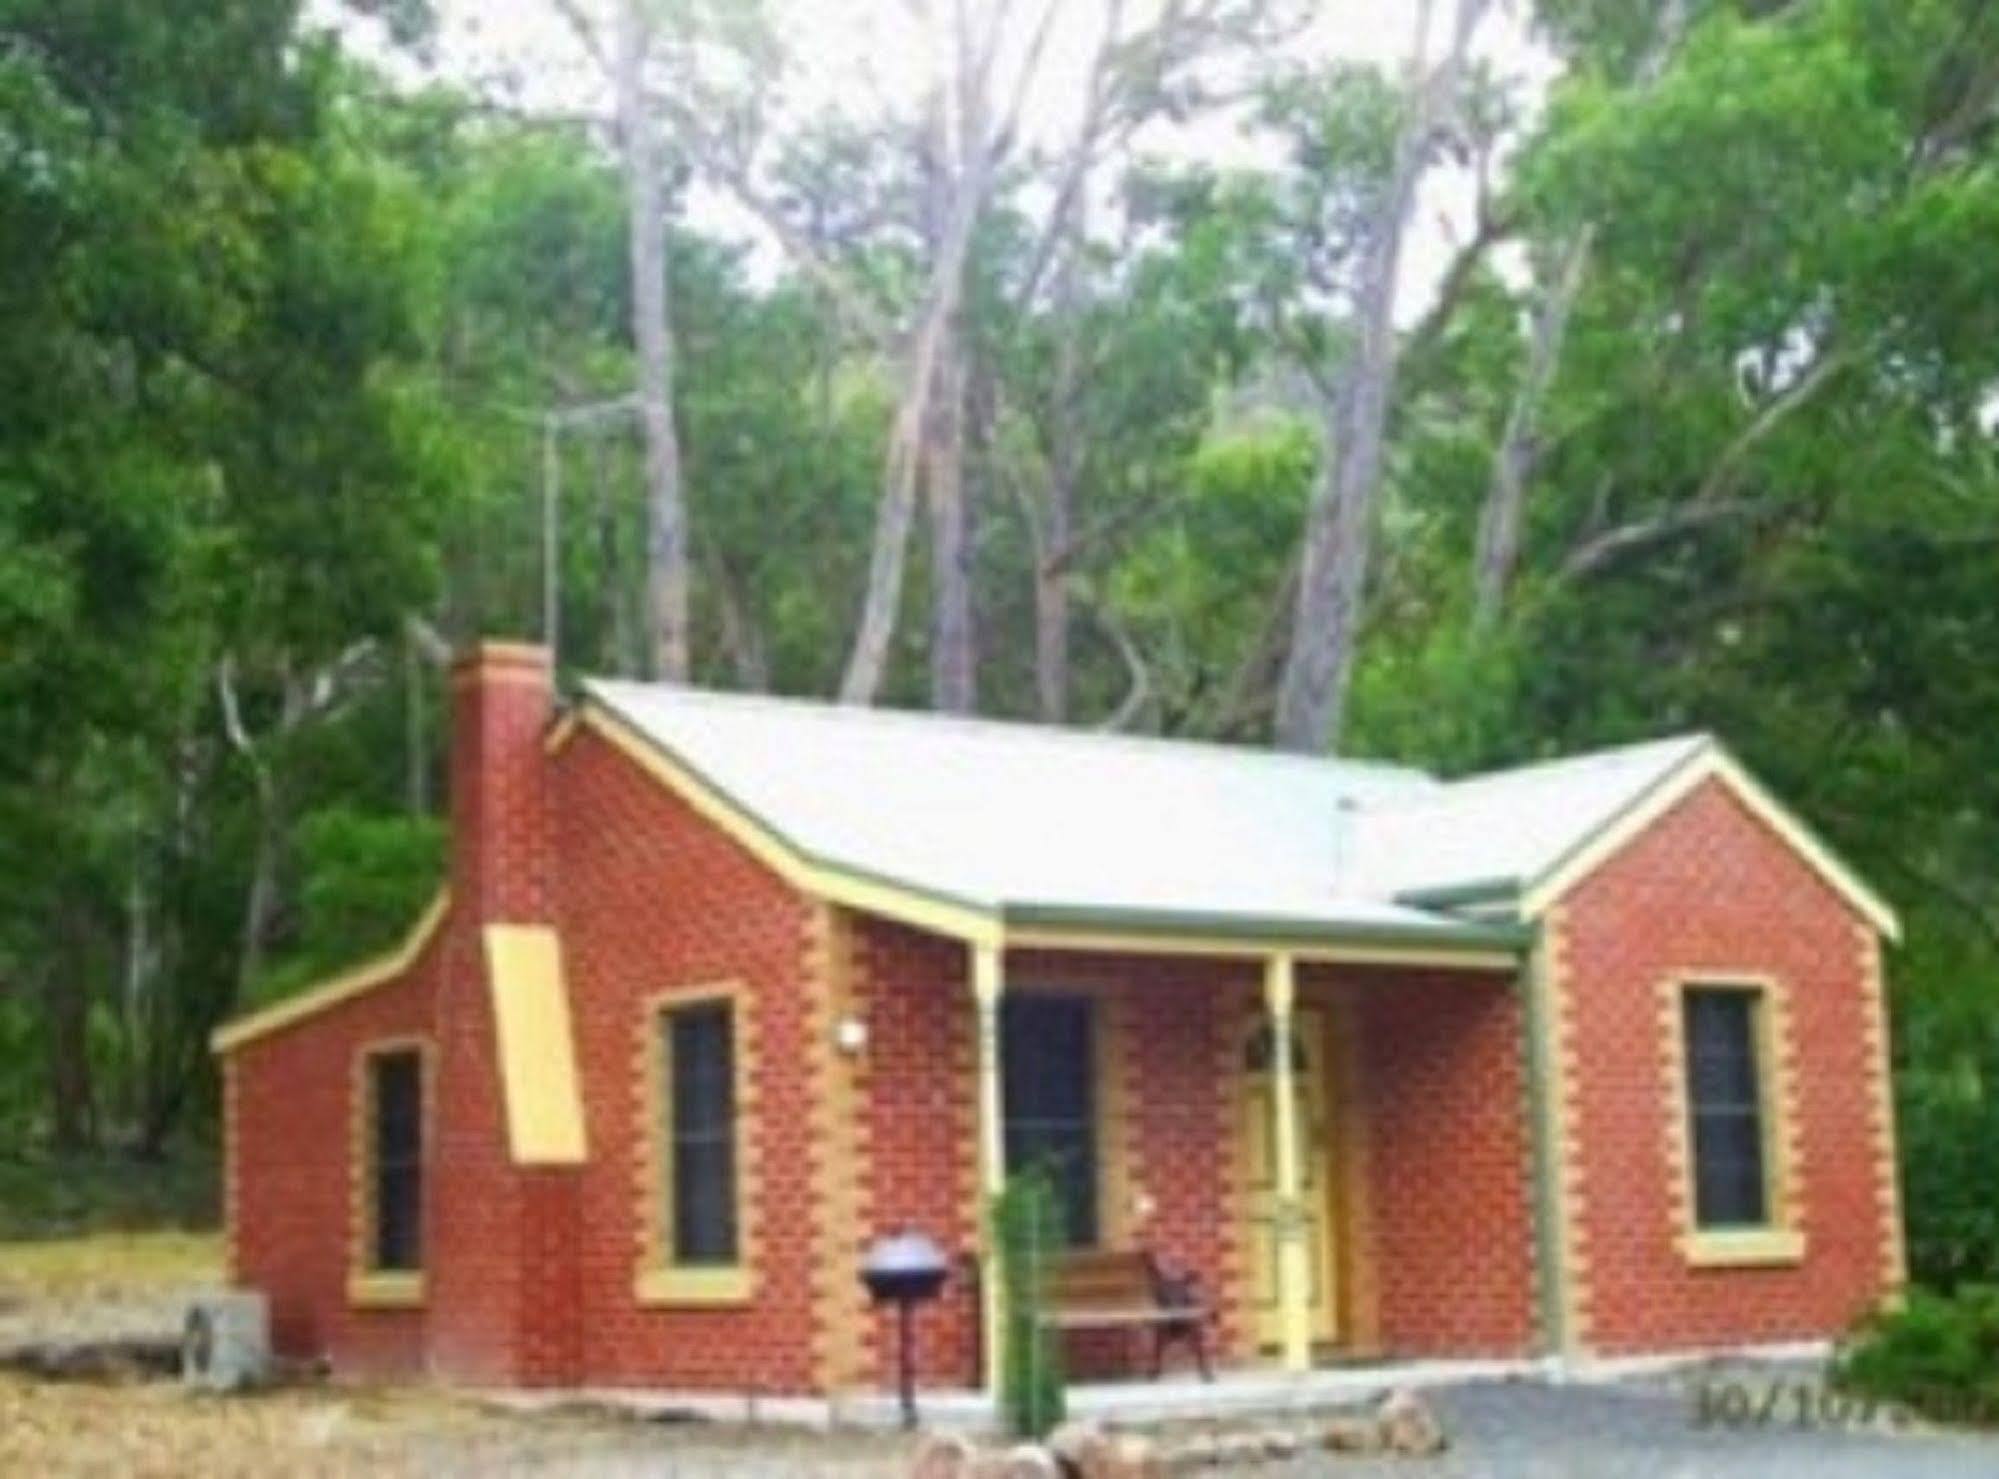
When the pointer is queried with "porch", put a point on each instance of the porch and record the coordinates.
(1335, 1141)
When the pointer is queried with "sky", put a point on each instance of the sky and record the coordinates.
(867, 55)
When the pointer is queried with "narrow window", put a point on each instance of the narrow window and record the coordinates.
(1725, 1107)
(395, 1089)
(1050, 1095)
(701, 1101)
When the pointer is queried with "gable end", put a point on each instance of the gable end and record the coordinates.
(1709, 763)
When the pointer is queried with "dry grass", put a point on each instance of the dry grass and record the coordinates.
(157, 1429)
(108, 1265)
(117, 1284)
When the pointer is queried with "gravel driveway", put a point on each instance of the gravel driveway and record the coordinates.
(1651, 1431)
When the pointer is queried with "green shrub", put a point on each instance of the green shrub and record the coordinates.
(1028, 1221)
(1948, 1123)
(1938, 1354)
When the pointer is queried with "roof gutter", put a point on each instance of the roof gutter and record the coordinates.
(1268, 931)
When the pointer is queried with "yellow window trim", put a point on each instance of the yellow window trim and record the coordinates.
(344, 987)
(688, 1285)
(1749, 1248)
(384, 1290)
(537, 1057)
(656, 1279)
(368, 1286)
(1710, 762)
(1779, 1240)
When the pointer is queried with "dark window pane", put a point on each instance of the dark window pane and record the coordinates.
(1049, 1080)
(701, 1070)
(396, 1108)
(1724, 1106)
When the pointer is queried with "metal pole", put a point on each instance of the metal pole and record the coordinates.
(908, 1362)
(551, 564)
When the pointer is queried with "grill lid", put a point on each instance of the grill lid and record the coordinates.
(904, 1255)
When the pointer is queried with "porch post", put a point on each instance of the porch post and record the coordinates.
(1294, 1275)
(987, 984)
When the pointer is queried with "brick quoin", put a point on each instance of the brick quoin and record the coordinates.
(1710, 889)
(530, 1271)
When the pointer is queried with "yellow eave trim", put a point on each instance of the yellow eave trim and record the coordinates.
(1710, 762)
(974, 926)
(694, 1286)
(808, 875)
(536, 1049)
(1747, 1248)
(380, 1290)
(343, 987)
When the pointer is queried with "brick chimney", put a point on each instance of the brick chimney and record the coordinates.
(502, 1234)
(502, 697)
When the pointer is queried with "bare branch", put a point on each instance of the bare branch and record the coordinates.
(1779, 409)
(1593, 556)
(1140, 691)
(584, 27)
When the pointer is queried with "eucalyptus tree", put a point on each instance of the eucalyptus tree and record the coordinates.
(1339, 530)
(899, 274)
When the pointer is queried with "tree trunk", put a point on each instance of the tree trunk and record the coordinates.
(666, 520)
(66, 995)
(742, 638)
(1504, 514)
(1058, 514)
(1339, 528)
(1519, 445)
(953, 637)
(962, 177)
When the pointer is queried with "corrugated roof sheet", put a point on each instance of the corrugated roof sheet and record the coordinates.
(1037, 821)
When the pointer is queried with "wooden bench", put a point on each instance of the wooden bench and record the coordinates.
(1119, 1289)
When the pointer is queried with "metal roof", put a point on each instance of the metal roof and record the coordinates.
(1495, 834)
(1049, 825)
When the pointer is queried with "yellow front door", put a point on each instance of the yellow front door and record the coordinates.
(1314, 1174)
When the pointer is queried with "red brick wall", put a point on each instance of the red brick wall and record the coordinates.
(650, 898)
(291, 1142)
(1443, 1098)
(920, 1117)
(917, 1134)
(1710, 889)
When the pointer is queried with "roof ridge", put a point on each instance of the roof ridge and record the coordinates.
(1447, 791)
(992, 725)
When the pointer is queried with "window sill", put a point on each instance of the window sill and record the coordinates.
(693, 1286)
(1751, 1247)
(382, 1290)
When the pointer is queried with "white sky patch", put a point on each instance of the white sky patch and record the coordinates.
(867, 58)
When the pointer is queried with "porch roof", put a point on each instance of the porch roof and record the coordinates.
(1039, 826)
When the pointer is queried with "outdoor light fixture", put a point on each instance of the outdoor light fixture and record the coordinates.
(850, 1035)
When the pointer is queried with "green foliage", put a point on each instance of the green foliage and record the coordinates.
(1027, 1221)
(1938, 1354)
(1948, 1117)
(75, 1197)
(365, 878)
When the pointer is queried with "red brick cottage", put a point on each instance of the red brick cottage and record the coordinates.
(1585, 1059)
